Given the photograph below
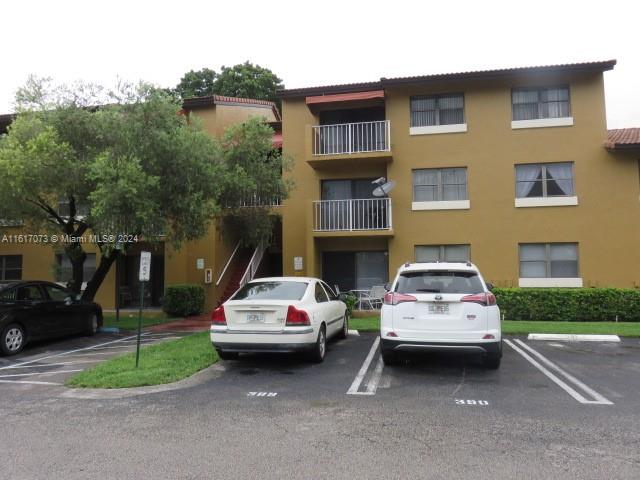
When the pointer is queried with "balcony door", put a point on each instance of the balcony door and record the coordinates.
(352, 130)
(355, 270)
(343, 210)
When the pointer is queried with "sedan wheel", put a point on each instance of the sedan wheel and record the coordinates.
(319, 349)
(345, 327)
(92, 325)
(12, 339)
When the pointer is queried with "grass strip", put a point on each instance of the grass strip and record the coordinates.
(513, 327)
(165, 362)
(129, 321)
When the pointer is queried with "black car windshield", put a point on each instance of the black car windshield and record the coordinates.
(271, 291)
(439, 281)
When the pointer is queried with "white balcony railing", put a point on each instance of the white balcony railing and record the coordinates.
(352, 215)
(352, 138)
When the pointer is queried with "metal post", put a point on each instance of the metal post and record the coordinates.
(118, 290)
(139, 323)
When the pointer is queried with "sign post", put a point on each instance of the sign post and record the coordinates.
(143, 276)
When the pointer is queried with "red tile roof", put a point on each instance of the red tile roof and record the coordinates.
(476, 74)
(194, 102)
(621, 138)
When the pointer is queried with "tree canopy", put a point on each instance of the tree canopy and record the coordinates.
(81, 160)
(243, 80)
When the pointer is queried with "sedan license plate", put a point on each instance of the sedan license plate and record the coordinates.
(257, 317)
(439, 308)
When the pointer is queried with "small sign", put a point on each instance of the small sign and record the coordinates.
(297, 263)
(145, 266)
(200, 263)
(208, 275)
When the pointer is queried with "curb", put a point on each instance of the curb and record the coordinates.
(108, 330)
(573, 338)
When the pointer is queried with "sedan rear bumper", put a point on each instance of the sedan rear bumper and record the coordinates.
(264, 347)
(486, 348)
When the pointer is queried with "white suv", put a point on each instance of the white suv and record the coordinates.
(441, 307)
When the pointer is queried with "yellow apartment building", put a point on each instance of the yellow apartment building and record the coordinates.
(214, 261)
(513, 169)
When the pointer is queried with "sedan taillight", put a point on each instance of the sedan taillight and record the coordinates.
(484, 299)
(394, 298)
(297, 317)
(218, 317)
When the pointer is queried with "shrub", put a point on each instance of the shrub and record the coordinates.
(350, 301)
(183, 300)
(569, 304)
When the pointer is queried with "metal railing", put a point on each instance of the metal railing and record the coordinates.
(352, 215)
(255, 201)
(352, 138)
(226, 265)
(254, 263)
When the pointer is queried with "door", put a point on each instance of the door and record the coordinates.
(324, 309)
(336, 308)
(66, 315)
(339, 268)
(30, 309)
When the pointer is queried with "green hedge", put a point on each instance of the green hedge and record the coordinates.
(569, 304)
(183, 300)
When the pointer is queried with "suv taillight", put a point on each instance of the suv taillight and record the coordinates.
(484, 299)
(297, 317)
(394, 298)
(217, 316)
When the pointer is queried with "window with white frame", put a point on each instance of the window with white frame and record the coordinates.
(548, 260)
(433, 110)
(442, 253)
(439, 184)
(10, 267)
(536, 180)
(82, 209)
(538, 103)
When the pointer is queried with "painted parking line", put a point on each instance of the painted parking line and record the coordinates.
(521, 347)
(372, 385)
(50, 372)
(69, 353)
(29, 382)
(53, 364)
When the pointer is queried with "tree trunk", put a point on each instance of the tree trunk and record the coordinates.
(77, 256)
(98, 277)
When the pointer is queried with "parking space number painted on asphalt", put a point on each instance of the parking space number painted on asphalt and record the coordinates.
(262, 394)
(482, 403)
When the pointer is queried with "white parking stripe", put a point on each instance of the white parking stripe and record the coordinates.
(66, 353)
(54, 364)
(50, 372)
(353, 389)
(600, 400)
(372, 385)
(29, 382)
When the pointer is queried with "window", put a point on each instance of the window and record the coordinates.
(330, 292)
(321, 296)
(432, 110)
(10, 267)
(544, 180)
(549, 260)
(442, 253)
(538, 103)
(28, 293)
(82, 209)
(438, 184)
(439, 281)
(57, 294)
(271, 291)
(64, 270)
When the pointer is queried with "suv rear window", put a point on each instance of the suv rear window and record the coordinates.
(439, 281)
(271, 291)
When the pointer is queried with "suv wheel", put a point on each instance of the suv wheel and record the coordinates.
(492, 362)
(389, 357)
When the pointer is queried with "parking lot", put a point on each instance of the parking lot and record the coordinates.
(553, 409)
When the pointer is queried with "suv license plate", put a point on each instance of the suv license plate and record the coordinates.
(255, 317)
(439, 308)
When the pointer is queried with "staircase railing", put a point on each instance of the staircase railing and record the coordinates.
(226, 266)
(254, 263)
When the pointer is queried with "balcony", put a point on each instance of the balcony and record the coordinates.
(348, 142)
(365, 216)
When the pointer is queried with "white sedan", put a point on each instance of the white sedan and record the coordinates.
(279, 314)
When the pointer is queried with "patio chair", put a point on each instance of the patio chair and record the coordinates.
(373, 298)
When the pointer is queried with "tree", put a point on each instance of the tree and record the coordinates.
(254, 181)
(243, 80)
(197, 84)
(123, 162)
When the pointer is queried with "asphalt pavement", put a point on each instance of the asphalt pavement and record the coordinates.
(553, 410)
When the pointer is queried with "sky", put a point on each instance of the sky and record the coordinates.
(308, 43)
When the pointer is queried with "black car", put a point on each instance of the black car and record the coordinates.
(37, 310)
